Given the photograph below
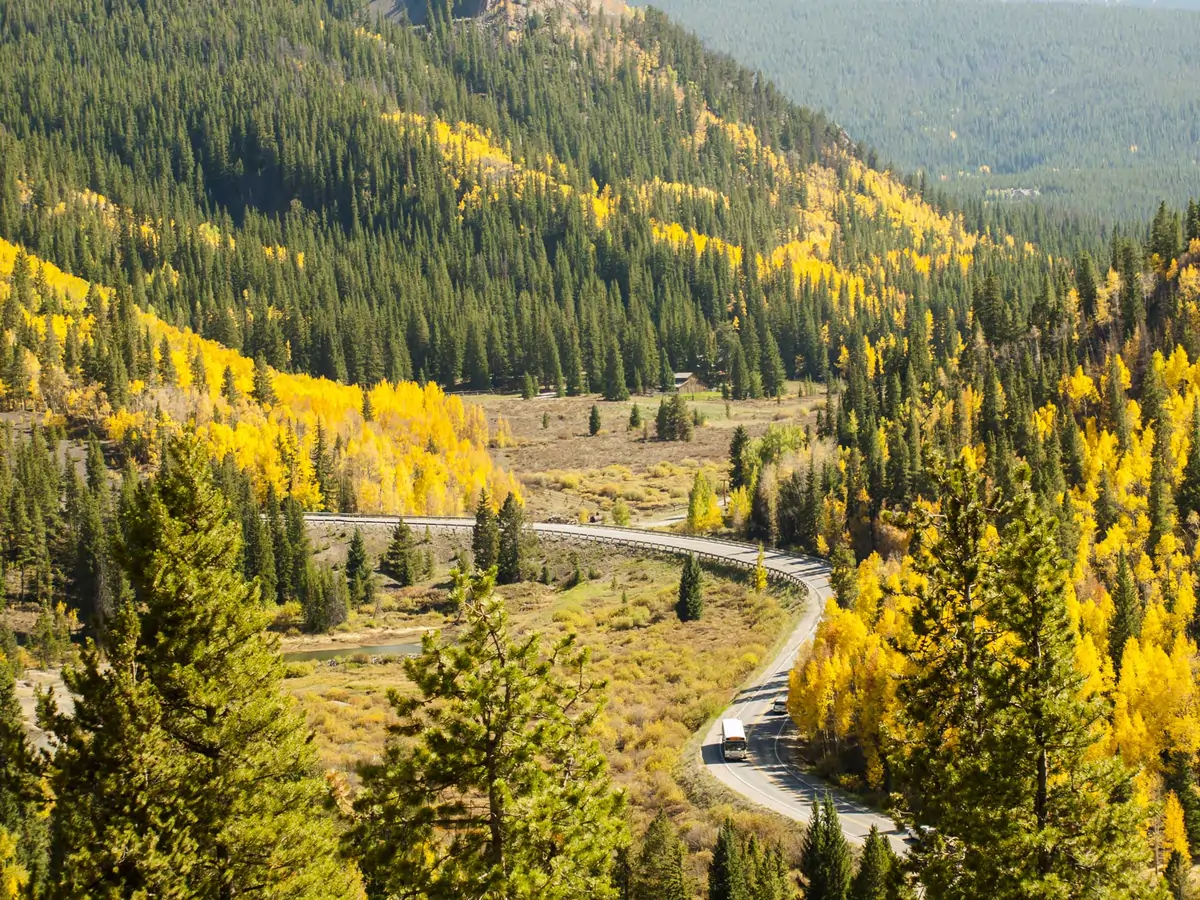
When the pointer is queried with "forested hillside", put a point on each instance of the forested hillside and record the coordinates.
(558, 202)
(253, 246)
(1092, 106)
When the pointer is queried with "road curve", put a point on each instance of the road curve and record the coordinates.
(765, 777)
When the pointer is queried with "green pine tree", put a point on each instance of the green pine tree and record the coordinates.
(185, 769)
(485, 537)
(1060, 802)
(942, 693)
(1127, 611)
(398, 560)
(359, 577)
(23, 803)
(1178, 876)
(727, 873)
(264, 386)
(594, 421)
(739, 471)
(492, 785)
(660, 870)
(825, 861)
(1188, 498)
(511, 523)
(690, 605)
(229, 388)
(764, 509)
(166, 363)
(1116, 403)
(615, 387)
(874, 875)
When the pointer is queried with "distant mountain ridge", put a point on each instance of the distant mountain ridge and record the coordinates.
(1096, 107)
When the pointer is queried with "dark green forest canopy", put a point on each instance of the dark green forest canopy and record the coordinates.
(1097, 107)
(270, 126)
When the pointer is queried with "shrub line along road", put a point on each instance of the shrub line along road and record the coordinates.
(765, 777)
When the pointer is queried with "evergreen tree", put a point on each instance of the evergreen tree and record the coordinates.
(1116, 403)
(1188, 498)
(774, 376)
(1127, 612)
(681, 418)
(739, 474)
(659, 872)
(229, 388)
(635, 417)
(359, 578)
(322, 595)
(726, 873)
(1178, 876)
(23, 804)
(199, 373)
(398, 560)
(594, 421)
(485, 538)
(1161, 502)
(945, 785)
(322, 463)
(874, 875)
(259, 550)
(615, 387)
(185, 770)
(511, 524)
(492, 785)
(166, 363)
(825, 861)
(264, 386)
(768, 874)
(1062, 802)
(764, 509)
(690, 605)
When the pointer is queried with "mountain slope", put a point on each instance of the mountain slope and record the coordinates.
(484, 202)
(1092, 106)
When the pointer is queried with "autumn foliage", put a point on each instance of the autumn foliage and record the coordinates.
(423, 451)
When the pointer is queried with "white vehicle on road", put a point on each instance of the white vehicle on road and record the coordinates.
(733, 739)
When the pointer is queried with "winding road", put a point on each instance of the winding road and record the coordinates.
(766, 777)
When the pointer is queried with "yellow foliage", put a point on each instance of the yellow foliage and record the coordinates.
(1079, 387)
(1175, 837)
(425, 452)
(13, 877)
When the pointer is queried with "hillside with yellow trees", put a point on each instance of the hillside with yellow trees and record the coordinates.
(392, 448)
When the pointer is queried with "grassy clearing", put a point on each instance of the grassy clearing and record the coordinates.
(666, 678)
(565, 470)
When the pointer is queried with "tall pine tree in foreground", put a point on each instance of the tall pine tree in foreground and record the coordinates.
(185, 771)
(491, 785)
(999, 738)
(1060, 802)
(727, 872)
(485, 537)
(659, 873)
(512, 531)
(825, 861)
(874, 877)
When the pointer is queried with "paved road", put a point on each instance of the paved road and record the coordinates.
(766, 777)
